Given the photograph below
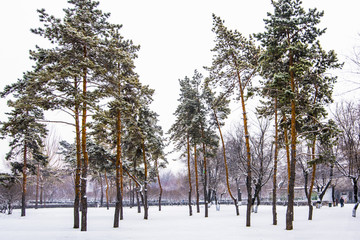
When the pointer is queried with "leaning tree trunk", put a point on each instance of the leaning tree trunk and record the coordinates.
(274, 193)
(196, 180)
(85, 153)
(226, 166)
(23, 195)
(248, 154)
(310, 191)
(189, 174)
(159, 182)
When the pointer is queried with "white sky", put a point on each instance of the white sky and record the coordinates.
(175, 38)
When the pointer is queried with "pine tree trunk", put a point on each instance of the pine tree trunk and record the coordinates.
(189, 174)
(138, 200)
(23, 195)
(146, 208)
(159, 182)
(310, 190)
(107, 191)
(78, 164)
(226, 166)
(205, 175)
(274, 193)
(248, 153)
(118, 165)
(84, 151)
(290, 208)
(37, 186)
(287, 148)
(196, 180)
(101, 191)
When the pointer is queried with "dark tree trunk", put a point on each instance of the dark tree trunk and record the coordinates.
(37, 185)
(138, 200)
(101, 191)
(274, 193)
(23, 195)
(107, 191)
(78, 163)
(189, 174)
(355, 187)
(146, 208)
(196, 180)
(291, 192)
(85, 153)
(205, 178)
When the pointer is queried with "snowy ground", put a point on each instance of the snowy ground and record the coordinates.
(173, 223)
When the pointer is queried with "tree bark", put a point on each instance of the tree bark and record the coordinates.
(101, 191)
(189, 174)
(23, 195)
(196, 180)
(107, 191)
(37, 185)
(146, 208)
(205, 174)
(118, 165)
(78, 162)
(84, 151)
(226, 166)
(274, 193)
(290, 207)
(159, 182)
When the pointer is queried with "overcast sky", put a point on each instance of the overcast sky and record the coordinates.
(175, 39)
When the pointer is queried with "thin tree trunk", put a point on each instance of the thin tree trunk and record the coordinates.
(274, 212)
(101, 191)
(196, 180)
(107, 191)
(355, 188)
(37, 186)
(23, 195)
(118, 165)
(310, 191)
(78, 163)
(205, 174)
(41, 191)
(247, 143)
(226, 166)
(146, 208)
(189, 173)
(159, 182)
(138, 200)
(290, 207)
(84, 151)
(287, 148)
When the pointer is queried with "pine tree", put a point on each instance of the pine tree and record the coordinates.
(290, 44)
(69, 68)
(24, 129)
(235, 64)
(219, 106)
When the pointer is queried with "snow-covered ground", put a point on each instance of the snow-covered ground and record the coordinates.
(173, 223)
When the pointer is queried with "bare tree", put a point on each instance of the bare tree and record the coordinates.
(347, 117)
